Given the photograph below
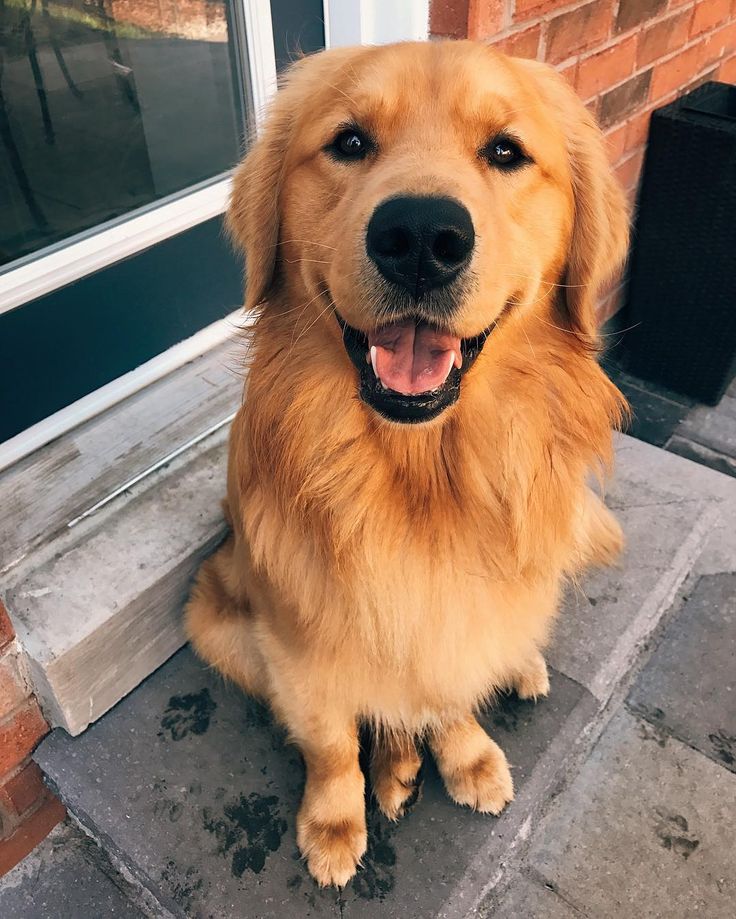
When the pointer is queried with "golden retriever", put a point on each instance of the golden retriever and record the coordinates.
(426, 227)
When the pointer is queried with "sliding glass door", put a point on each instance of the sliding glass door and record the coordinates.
(110, 106)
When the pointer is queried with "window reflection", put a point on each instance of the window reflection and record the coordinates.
(109, 105)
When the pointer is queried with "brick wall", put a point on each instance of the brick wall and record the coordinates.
(28, 810)
(624, 57)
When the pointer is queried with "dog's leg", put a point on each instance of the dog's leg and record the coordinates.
(330, 826)
(600, 539)
(531, 680)
(394, 770)
(473, 767)
(218, 623)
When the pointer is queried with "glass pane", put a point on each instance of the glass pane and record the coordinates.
(298, 28)
(110, 105)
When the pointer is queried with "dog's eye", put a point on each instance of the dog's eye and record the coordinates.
(350, 144)
(504, 152)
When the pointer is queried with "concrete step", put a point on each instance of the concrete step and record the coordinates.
(190, 790)
(102, 529)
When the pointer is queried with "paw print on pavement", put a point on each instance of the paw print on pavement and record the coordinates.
(188, 714)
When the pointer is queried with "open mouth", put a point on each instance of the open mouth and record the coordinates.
(410, 371)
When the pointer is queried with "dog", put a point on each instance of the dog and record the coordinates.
(411, 476)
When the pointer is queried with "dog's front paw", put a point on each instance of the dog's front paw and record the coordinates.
(532, 681)
(395, 779)
(474, 768)
(332, 850)
(485, 784)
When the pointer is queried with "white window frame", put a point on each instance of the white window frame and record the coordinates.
(65, 262)
(347, 22)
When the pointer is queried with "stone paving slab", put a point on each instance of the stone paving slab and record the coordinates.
(59, 880)
(692, 450)
(641, 464)
(531, 899)
(190, 785)
(656, 412)
(688, 688)
(645, 830)
(603, 620)
(712, 427)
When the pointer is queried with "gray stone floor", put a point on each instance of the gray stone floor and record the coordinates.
(666, 419)
(67, 875)
(626, 802)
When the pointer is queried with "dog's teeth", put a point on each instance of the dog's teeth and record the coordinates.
(373, 359)
(458, 361)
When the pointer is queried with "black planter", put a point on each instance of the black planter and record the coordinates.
(682, 290)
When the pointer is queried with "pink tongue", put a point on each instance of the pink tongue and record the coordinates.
(411, 358)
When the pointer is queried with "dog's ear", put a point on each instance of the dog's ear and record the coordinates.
(253, 216)
(254, 213)
(600, 233)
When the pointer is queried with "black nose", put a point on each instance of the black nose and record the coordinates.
(420, 243)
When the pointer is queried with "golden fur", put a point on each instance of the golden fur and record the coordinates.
(400, 574)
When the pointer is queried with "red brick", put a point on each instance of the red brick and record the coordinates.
(675, 73)
(577, 30)
(521, 44)
(449, 18)
(593, 106)
(663, 37)
(718, 44)
(632, 13)
(727, 72)
(628, 172)
(7, 632)
(19, 734)
(606, 68)
(24, 789)
(624, 100)
(637, 130)
(528, 9)
(708, 14)
(570, 72)
(616, 144)
(485, 18)
(703, 78)
(30, 833)
(13, 689)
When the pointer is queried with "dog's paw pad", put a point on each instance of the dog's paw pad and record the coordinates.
(395, 796)
(485, 784)
(332, 850)
(396, 791)
(533, 682)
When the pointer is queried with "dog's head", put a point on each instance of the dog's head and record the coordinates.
(408, 198)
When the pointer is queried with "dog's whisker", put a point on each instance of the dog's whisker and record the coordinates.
(307, 242)
(298, 261)
(330, 305)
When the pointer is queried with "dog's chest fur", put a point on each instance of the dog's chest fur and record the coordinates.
(410, 620)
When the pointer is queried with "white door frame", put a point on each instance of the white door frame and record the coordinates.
(346, 22)
(375, 22)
